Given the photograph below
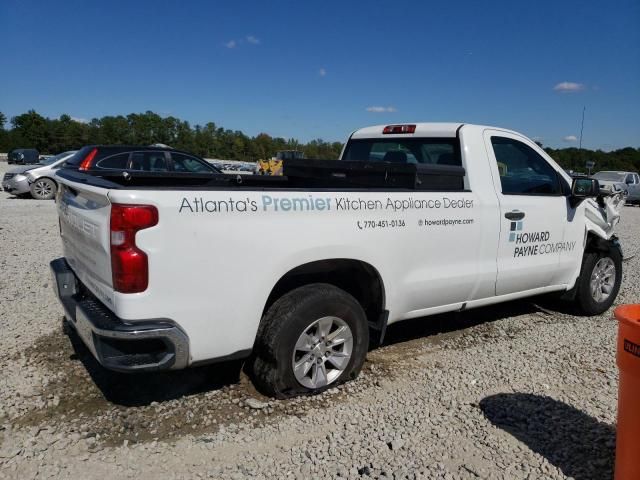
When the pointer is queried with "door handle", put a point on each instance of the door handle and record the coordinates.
(514, 215)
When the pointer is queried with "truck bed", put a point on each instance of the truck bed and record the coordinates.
(298, 174)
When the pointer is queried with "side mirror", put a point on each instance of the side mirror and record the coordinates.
(582, 188)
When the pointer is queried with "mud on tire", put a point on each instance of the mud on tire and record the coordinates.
(294, 314)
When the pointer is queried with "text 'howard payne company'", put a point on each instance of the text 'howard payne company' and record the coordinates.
(309, 203)
(537, 243)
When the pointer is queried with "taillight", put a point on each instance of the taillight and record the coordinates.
(86, 162)
(129, 264)
(399, 129)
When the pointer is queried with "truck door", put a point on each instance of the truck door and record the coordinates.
(533, 212)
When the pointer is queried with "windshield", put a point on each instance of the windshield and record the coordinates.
(434, 151)
(55, 158)
(610, 176)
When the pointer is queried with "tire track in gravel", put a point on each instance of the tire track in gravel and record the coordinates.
(84, 398)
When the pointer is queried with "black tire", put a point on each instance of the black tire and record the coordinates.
(271, 366)
(584, 298)
(44, 189)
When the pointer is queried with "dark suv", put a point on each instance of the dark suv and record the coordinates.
(23, 156)
(113, 158)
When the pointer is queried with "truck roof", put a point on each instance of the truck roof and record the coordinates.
(422, 130)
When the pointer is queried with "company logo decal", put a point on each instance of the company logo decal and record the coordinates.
(535, 243)
(515, 227)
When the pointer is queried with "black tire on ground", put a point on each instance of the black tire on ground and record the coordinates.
(43, 189)
(584, 297)
(271, 367)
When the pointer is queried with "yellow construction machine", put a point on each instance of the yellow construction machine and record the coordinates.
(273, 166)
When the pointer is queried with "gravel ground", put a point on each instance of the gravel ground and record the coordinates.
(515, 391)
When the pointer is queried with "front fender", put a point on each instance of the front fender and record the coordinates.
(603, 214)
(600, 218)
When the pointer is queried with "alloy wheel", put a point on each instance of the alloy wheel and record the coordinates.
(603, 278)
(322, 352)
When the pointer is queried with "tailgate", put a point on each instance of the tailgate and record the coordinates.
(84, 213)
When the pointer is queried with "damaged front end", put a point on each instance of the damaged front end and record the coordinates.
(604, 212)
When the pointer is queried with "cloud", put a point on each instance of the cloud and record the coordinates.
(375, 109)
(322, 72)
(79, 119)
(569, 87)
(570, 138)
(249, 39)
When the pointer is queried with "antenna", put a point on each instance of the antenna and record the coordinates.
(581, 128)
(580, 157)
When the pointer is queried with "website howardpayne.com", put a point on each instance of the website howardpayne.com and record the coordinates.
(445, 222)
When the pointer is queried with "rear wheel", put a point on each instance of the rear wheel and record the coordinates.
(599, 281)
(43, 189)
(311, 339)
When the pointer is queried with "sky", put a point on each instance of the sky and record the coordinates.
(310, 70)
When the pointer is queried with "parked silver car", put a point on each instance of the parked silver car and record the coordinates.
(35, 179)
(625, 181)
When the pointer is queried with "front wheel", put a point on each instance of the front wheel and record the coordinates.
(599, 282)
(311, 339)
(43, 189)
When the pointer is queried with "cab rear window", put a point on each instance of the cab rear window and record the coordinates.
(430, 151)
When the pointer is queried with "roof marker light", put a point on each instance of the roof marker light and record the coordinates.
(399, 129)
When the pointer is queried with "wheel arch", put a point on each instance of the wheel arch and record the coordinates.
(594, 241)
(47, 177)
(358, 278)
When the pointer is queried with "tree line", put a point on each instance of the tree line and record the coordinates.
(54, 135)
(626, 159)
(32, 130)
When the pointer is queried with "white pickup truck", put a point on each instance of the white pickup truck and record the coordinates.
(299, 273)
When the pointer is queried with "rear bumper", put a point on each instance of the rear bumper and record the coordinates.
(124, 346)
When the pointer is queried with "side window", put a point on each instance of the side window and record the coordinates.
(637, 178)
(185, 163)
(149, 162)
(117, 162)
(522, 170)
(629, 180)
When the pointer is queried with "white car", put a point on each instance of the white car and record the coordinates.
(416, 220)
(37, 180)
